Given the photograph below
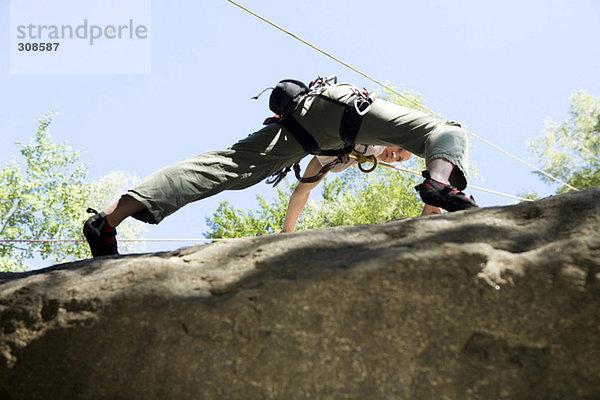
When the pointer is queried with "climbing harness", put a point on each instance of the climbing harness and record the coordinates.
(288, 93)
(286, 96)
(353, 113)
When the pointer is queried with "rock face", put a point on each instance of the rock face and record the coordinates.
(497, 303)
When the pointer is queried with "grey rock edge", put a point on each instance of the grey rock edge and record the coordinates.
(496, 303)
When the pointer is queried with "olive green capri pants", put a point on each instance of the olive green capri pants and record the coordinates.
(273, 148)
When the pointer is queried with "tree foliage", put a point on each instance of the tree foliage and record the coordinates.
(351, 198)
(355, 199)
(44, 195)
(571, 150)
(230, 222)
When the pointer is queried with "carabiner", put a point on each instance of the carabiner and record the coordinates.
(363, 101)
(372, 159)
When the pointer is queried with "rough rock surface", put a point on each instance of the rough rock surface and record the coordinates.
(497, 303)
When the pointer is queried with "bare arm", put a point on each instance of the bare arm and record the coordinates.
(300, 196)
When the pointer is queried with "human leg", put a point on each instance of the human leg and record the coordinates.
(389, 124)
(100, 229)
(447, 159)
(242, 165)
(440, 169)
(125, 207)
(436, 191)
(443, 144)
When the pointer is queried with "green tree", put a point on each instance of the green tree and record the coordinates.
(45, 196)
(571, 150)
(356, 198)
(230, 222)
(351, 198)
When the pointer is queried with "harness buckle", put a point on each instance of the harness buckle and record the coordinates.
(363, 101)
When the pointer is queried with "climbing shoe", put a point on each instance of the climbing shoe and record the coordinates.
(99, 235)
(441, 195)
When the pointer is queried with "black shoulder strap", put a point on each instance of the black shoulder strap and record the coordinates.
(308, 143)
(351, 120)
(350, 125)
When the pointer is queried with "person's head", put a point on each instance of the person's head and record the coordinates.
(399, 153)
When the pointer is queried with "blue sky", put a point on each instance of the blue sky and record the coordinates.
(501, 67)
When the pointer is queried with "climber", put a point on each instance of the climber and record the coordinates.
(326, 117)
(302, 191)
